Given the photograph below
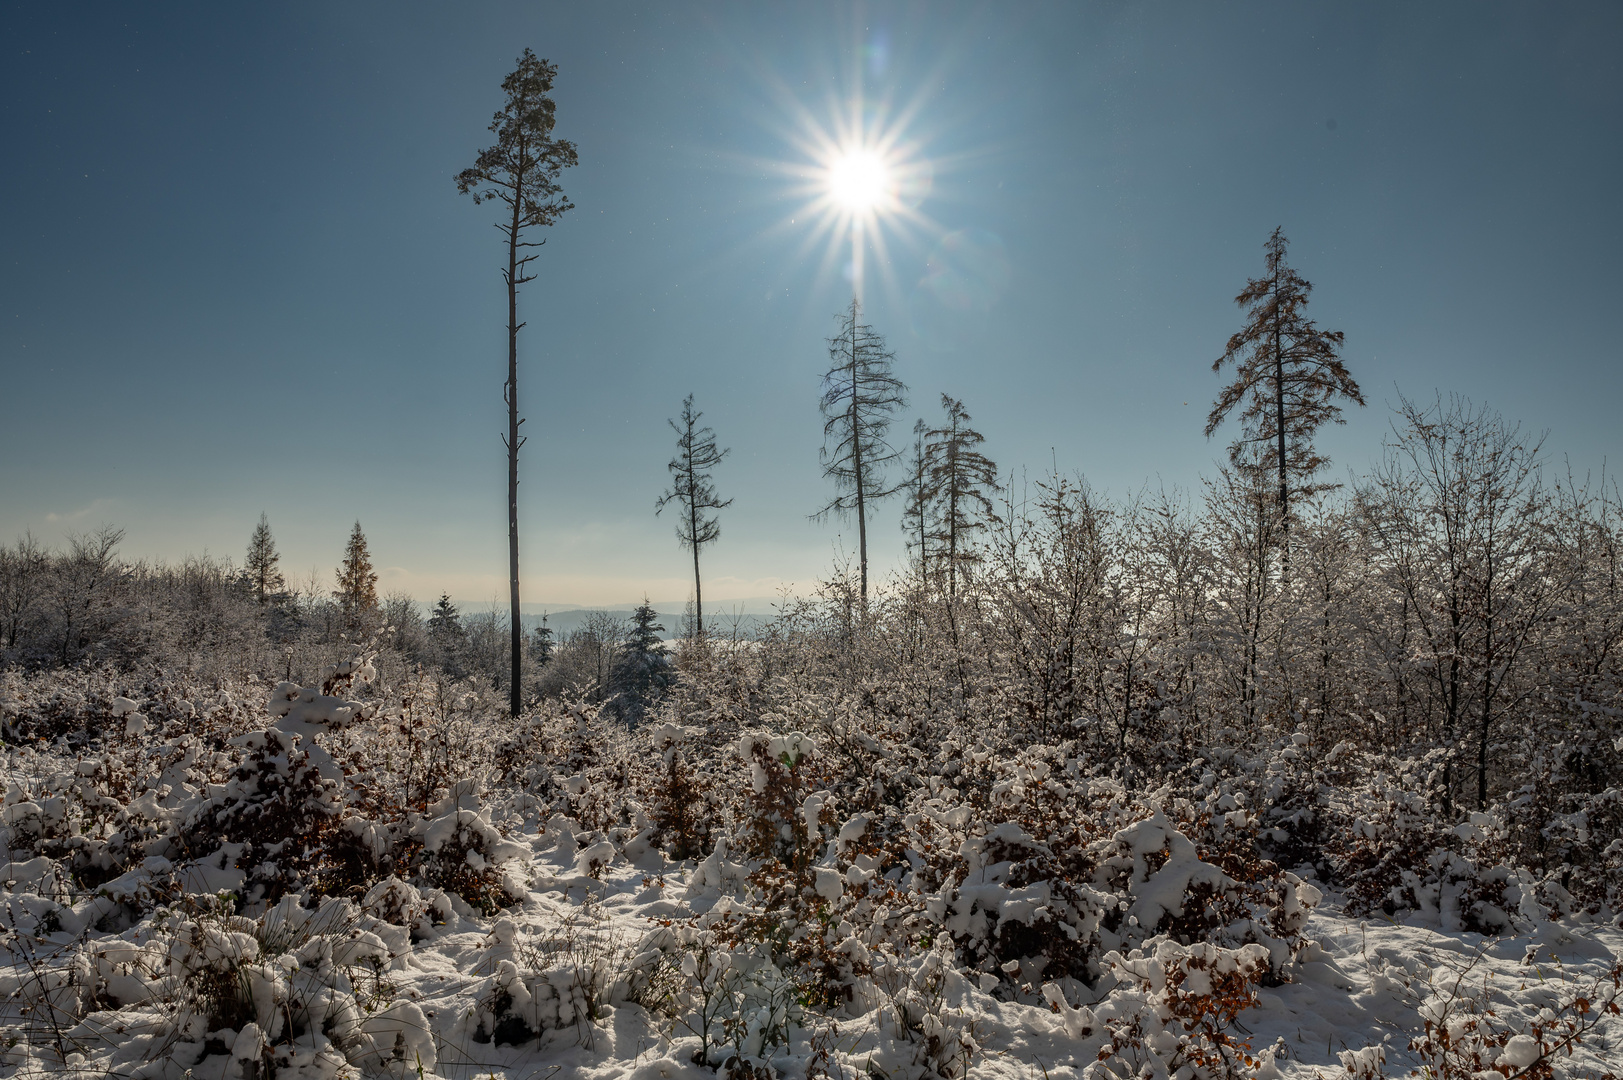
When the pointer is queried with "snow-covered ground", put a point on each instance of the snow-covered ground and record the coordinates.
(1369, 983)
(249, 882)
(1372, 985)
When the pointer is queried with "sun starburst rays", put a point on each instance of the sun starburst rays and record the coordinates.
(861, 185)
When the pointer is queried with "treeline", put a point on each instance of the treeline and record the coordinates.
(84, 605)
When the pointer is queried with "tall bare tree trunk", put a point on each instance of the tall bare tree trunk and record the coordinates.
(1279, 423)
(510, 391)
(856, 461)
(693, 526)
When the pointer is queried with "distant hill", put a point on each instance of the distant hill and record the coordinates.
(565, 622)
(750, 615)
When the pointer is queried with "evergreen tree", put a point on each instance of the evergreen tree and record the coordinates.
(695, 492)
(261, 565)
(1287, 375)
(642, 671)
(448, 636)
(445, 622)
(521, 171)
(543, 645)
(961, 481)
(357, 592)
(860, 392)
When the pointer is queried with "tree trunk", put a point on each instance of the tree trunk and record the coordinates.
(515, 695)
(856, 464)
(1279, 424)
(693, 531)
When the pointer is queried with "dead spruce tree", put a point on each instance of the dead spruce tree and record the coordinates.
(695, 493)
(860, 394)
(521, 171)
(962, 481)
(1287, 376)
(261, 566)
(920, 495)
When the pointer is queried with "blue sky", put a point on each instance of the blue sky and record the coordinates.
(235, 274)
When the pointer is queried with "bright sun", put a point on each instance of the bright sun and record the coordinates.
(858, 180)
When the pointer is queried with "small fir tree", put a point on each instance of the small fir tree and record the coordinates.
(860, 394)
(357, 592)
(642, 670)
(694, 492)
(262, 564)
(1287, 376)
(542, 644)
(445, 623)
(448, 636)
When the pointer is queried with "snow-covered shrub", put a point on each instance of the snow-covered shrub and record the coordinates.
(282, 803)
(1391, 826)
(801, 893)
(398, 903)
(737, 1003)
(278, 808)
(1468, 1035)
(461, 851)
(1293, 793)
(926, 1026)
(1177, 1010)
(681, 806)
(1571, 840)
(565, 978)
(573, 760)
(295, 992)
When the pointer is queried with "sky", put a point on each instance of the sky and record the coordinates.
(236, 276)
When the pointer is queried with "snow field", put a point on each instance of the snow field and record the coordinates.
(304, 886)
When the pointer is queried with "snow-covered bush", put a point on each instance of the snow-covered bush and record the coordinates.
(460, 851)
(565, 978)
(1177, 1012)
(734, 1000)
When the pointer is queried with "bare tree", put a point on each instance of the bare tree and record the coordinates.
(1455, 515)
(23, 571)
(1287, 374)
(860, 393)
(84, 579)
(1242, 526)
(695, 492)
(521, 171)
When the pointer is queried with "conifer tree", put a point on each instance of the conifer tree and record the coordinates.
(694, 492)
(961, 482)
(1287, 375)
(448, 636)
(262, 564)
(543, 644)
(357, 592)
(642, 669)
(445, 623)
(860, 393)
(521, 171)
